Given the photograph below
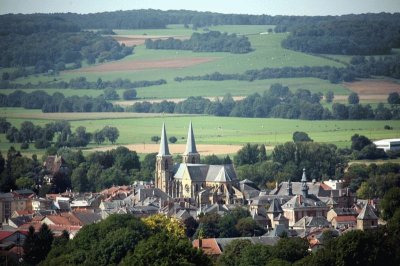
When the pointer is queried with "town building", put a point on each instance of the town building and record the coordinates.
(388, 144)
(203, 183)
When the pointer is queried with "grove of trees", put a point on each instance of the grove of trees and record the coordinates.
(213, 41)
(277, 102)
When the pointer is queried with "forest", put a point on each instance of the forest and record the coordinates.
(346, 37)
(212, 41)
(50, 43)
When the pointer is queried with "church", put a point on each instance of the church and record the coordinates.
(202, 183)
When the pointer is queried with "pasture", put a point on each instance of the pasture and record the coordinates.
(221, 130)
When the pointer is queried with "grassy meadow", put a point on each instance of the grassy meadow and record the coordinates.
(216, 130)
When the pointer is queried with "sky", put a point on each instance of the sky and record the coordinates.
(269, 7)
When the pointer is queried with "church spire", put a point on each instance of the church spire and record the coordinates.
(191, 143)
(163, 143)
(304, 186)
(191, 155)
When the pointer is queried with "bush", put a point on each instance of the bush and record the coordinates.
(129, 94)
(25, 146)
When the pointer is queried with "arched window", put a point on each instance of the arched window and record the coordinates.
(166, 165)
(193, 160)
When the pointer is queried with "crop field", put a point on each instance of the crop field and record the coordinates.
(221, 130)
(146, 65)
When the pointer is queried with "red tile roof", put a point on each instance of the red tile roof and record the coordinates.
(209, 246)
(345, 218)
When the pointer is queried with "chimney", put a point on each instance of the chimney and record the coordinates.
(200, 243)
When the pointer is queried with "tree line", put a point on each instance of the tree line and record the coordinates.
(360, 67)
(57, 102)
(348, 37)
(213, 41)
(49, 43)
(79, 83)
(277, 102)
(42, 137)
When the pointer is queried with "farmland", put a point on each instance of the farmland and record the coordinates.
(147, 64)
(216, 130)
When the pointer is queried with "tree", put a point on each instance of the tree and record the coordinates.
(390, 203)
(247, 155)
(233, 251)
(155, 139)
(329, 96)
(98, 136)
(171, 226)
(172, 139)
(291, 249)
(394, 98)
(353, 98)
(129, 94)
(37, 245)
(110, 94)
(358, 142)
(299, 136)
(262, 156)
(165, 249)
(249, 227)
(111, 133)
(27, 131)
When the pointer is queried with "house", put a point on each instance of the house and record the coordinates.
(367, 218)
(304, 204)
(11, 202)
(342, 217)
(310, 222)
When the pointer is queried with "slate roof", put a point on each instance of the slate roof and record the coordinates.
(299, 201)
(209, 173)
(313, 221)
(275, 207)
(88, 217)
(191, 143)
(164, 150)
(315, 188)
(345, 211)
(367, 213)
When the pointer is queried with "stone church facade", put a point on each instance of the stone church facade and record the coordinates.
(190, 179)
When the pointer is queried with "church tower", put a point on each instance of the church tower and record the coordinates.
(164, 165)
(191, 155)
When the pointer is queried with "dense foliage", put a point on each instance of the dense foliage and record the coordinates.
(349, 37)
(50, 43)
(57, 102)
(213, 41)
(278, 102)
(124, 238)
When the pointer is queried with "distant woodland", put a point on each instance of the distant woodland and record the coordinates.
(213, 41)
(47, 42)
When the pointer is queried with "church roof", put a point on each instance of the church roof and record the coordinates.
(191, 143)
(367, 213)
(205, 172)
(163, 143)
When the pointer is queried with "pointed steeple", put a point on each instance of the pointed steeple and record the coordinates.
(191, 143)
(163, 143)
(304, 186)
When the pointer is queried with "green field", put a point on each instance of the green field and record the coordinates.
(268, 53)
(227, 130)
(211, 88)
